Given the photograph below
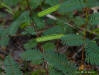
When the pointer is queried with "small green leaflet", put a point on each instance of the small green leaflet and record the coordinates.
(49, 10)
(49, 37)
(8, 9)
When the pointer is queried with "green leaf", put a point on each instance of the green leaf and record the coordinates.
(30, 44)
(24, 17)
(52, 71)
(32, 55)
(8, 9)
(40, 23)
(4, 39)
(72, 40)
(49, 46)
(11, 67)
(91, 3)
(60, 29)
(52, 2)
(92, 53)
(29, 30)
(71, 5)
(11, 2)
(35, 3)
(94, 19)
(59, 62)
(79, 21)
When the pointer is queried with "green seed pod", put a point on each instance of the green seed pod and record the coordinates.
(49, 37)
(49, 10)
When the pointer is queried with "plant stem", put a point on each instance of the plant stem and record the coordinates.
(85, 34)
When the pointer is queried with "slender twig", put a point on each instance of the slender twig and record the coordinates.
(77, 52)
(46, 67)
(85, 34)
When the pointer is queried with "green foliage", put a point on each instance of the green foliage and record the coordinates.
(52, 2)
(8, 9)
(27, 18)
(71, 5)
(30, 44)
(23, 18)
(79, 21)
(91, 3)
(38, 72)
(11, 2)
(92, 53)
(4, 41)
(72, 40)
(11, 67)
(49, 46)
(4, 37)
(54, 30)
(29, 31)
(94, 19)
(35, 3)
(39, 22)
(58, 30)
(52, 71)
(32, 55)
(59, 62)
